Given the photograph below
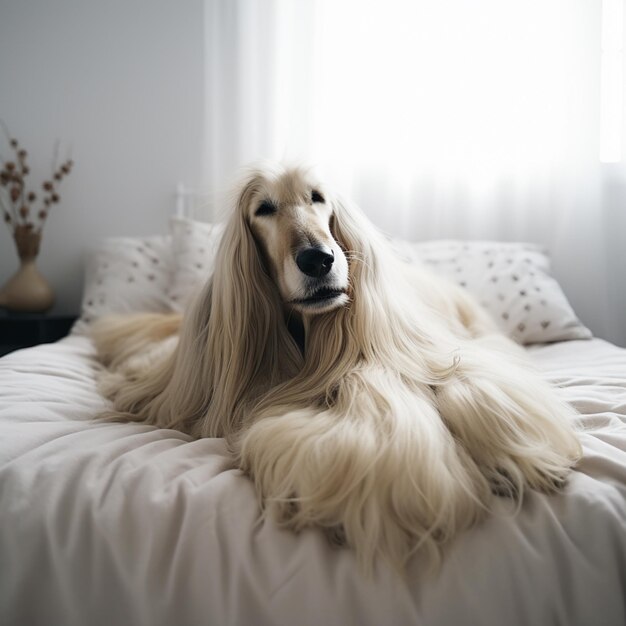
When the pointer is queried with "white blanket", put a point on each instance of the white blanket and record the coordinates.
(127, 524)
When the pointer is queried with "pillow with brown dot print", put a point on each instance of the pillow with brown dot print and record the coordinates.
(126, 275)
(194, 245)
(511, 280)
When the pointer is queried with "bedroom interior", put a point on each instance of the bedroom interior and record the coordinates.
(486, 140)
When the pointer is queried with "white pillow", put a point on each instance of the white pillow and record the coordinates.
(194, 245)
(126, 275)
(511, 280)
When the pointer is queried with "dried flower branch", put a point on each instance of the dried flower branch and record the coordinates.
(18, 205)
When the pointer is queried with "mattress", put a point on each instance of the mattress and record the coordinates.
(128, 524)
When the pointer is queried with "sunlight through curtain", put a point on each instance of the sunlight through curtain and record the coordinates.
(460, 119)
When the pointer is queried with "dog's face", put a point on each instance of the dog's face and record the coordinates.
(290, 218)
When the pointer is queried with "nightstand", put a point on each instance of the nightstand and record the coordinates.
(22, 330)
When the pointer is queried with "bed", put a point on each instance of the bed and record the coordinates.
(127, 524)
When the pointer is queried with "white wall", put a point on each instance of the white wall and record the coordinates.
(121, 81)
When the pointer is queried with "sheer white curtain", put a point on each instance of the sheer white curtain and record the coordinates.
(452, 118)
(260, 58)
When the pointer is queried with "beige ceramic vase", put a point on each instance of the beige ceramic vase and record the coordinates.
(27, 290)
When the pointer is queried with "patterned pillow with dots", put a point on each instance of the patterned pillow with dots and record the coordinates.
(511, 280)
(126, 275)
(194, 245)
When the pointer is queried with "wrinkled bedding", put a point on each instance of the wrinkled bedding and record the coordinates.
(127, 524)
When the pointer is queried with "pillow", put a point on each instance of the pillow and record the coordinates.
(511, 280)
(126, 275)
(194, 245)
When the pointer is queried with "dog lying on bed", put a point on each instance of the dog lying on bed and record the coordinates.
(361, 395)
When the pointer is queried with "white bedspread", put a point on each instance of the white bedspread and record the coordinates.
(126, 524)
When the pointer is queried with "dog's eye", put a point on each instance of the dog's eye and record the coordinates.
(266, 208)
(316, 196)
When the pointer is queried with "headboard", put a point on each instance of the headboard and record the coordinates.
(197, 204)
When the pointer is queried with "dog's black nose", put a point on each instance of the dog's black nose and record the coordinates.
(315, 261)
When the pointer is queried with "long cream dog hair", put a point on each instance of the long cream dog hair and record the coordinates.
(396, 419)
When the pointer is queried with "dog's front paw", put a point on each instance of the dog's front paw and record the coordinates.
(502, 483)
(513, 425)
(285, 510)
(336, 535)
(384, 488)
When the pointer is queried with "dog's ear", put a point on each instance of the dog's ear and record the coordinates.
(357, 236)
(369, 277)
(247, 339)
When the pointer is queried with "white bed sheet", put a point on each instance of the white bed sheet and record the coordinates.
(128, 524)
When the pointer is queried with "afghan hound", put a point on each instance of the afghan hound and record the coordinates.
(361, 394)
